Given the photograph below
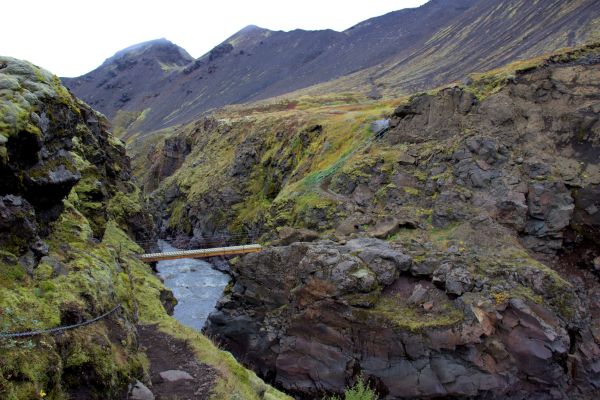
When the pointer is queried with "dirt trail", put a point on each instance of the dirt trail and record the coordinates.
(167, 353)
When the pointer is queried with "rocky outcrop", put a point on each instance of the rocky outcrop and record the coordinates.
(522, 159)
(313, 317)
(18, 226)
(52, 143)
(172, 156)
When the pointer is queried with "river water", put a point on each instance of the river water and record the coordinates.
(195, 284)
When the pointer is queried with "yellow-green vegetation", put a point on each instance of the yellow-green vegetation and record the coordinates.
(78, 280)
(397, 311)
(127, 121)
(293, 150)
(359, 391)
(123, 205)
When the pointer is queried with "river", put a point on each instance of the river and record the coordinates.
(195, 284)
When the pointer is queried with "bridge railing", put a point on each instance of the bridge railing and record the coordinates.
(201, 253)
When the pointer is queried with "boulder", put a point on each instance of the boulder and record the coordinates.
(550, 208)
(139, 391)
(385, 262)
(175, 375)
(289, 235)
(391, 225)
(457, 279)
(18, 226)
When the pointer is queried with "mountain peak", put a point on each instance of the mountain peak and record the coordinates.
(162, 50)
(250, 28)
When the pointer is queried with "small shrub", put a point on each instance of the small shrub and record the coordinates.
(360, 391)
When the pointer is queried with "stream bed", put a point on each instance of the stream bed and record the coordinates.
(196, 285)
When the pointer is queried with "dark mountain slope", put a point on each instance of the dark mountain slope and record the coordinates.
(128, 78)
(401, 51)
(369, 43)
(490, 34)
(254, 63)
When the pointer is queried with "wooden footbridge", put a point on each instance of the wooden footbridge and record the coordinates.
(202, 253)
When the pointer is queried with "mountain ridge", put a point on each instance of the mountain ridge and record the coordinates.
(396, 53)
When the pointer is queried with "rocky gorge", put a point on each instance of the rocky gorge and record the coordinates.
(486, 282)
(431, 231)
(81, 317)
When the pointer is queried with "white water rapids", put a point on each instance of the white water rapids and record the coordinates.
(195, 284)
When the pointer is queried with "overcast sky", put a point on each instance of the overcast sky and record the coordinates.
(72, 37)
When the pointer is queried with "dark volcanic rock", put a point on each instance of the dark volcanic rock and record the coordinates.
(311, 317)
(18, 225)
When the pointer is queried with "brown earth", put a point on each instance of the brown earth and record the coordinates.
(167, 353)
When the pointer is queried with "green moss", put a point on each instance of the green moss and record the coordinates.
(178, 217)
(420, 175)
(125, 122)
(124, 205)
(396, 311)
(49, 166)
(11, 272)
(410, 190)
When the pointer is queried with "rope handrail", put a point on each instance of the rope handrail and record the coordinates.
(59, 328)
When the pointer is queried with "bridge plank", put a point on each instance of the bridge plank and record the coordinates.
(201, 253)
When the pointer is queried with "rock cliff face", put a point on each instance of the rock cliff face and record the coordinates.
(51, 143)
(486, 285)
(311, 317)
(65, 189)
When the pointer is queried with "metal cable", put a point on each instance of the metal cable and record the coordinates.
(59, 328)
